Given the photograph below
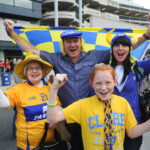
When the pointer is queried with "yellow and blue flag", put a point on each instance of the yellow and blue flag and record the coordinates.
(48, 38)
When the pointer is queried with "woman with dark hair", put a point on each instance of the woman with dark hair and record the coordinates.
(127, 68)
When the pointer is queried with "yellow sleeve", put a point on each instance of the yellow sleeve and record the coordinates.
(130, 120)
(72, 113)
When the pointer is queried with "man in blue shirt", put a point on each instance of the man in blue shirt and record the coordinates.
(75, 62)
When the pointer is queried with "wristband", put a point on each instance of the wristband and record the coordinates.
(146, 37)
(51, 105)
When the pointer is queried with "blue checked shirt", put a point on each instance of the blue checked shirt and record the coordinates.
(77, 85)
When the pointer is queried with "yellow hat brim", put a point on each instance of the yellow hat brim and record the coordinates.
(19, 68)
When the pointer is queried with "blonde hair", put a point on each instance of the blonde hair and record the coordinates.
(102, 67)
(82, 46)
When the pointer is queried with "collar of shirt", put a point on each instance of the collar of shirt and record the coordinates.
(44, 82)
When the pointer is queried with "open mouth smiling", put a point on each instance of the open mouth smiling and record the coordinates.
(103, 93)
(120, 54)
(73, 50)
(35, 75)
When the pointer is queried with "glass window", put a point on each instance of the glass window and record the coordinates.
(7, 2)
(18, 3)
(23, 3)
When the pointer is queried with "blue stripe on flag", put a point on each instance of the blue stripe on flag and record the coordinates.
(89, 37)
(43, 36)
(57, 47)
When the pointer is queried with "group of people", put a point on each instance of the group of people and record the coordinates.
(8, 65)
(108, 121)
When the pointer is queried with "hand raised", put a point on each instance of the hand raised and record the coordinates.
(10, 25)
(59, 81)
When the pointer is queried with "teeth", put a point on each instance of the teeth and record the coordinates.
(34, 75)
(120, 54)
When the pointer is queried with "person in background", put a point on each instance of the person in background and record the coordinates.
(2, 64)
(15, 61)
(16, 78)
(8, 65)
(76, 62)
(104, 117)
(30, 99)
(128, 69)
(11, 66)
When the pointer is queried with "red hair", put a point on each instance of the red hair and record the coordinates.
(102, 67)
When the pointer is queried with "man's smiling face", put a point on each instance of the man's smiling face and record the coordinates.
(72, 47)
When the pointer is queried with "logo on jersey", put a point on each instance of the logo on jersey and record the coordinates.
(32, 98)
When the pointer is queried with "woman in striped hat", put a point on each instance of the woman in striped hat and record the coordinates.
(128, 70)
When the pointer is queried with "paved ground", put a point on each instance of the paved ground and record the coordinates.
(7, 142)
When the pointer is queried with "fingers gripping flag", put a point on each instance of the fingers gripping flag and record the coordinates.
(48, 38)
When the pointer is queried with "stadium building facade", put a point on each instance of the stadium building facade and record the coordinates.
(22, 12)
(94, 12)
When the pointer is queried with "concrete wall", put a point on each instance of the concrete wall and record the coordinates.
(4, 36)
(3, 33)
(96, 21)
(1, 55)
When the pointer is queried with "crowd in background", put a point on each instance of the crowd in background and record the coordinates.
(8, 64)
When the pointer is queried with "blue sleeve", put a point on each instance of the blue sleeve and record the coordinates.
(102, 56)
(49, 57)
(145, 65)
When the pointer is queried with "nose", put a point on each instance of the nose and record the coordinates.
(34, 70)
(72, 44)
(120, 46)
(103, 87)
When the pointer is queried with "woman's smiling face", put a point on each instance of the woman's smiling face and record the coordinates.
(34, 72)
(120, 53)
